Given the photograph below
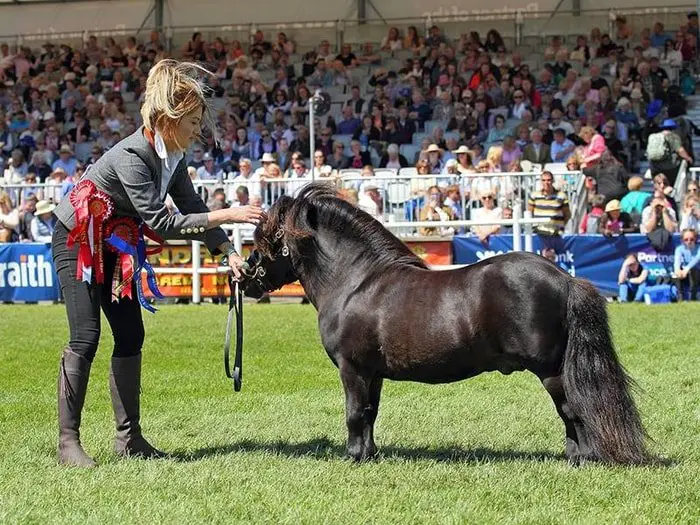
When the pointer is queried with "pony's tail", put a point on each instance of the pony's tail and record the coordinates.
(596, 385)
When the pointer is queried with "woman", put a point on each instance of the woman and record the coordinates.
(9, 218)
(594, 149)
(43, 223)
(132, 181)
(392, 42)
(435, 210)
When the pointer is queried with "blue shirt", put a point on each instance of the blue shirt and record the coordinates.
(685, 258)
(556, 148)
(69, 167)
(348, 127)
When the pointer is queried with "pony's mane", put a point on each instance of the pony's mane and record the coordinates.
(318, 204)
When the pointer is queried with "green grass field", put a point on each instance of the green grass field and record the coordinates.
(486, 450)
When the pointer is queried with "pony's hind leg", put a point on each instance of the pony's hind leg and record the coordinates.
(370, 413)
(577, 448)
(356, 400)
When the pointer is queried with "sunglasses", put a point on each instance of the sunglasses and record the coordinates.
(688, 239)
(487, 198)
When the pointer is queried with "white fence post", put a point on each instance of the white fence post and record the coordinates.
(528, 231)
(196, 276)
(517, 216)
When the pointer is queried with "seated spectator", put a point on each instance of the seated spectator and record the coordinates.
(561, 148)
(487, 211)
(43, 223)
(614, 221)
(632, 280)
(393, 159)
(665, 189)
(435, 210)
(690, 215)
(209, 171)
(9, 218)
(498, 132)
(510, 154)
(320, 168)
(550, 203)
(358, 158)
(370, 200)
(537, 152)
(659, 222)
(349, 124)
(686, 266)
(590, 223)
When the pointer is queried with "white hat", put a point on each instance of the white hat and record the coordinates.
(43, 207)
(326, 170)
(267, 157)
(49, 115)
(461, 149)
(433, 148)
(369, 185)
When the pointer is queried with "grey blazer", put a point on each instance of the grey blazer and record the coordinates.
(130, 173)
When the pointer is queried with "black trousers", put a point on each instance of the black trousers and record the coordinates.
(691, 284)
(85, 300)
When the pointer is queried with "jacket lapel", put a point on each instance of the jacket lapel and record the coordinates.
(156, 165)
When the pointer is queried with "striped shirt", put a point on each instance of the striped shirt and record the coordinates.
(549, 206)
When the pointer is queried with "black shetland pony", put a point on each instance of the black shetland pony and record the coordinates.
(383, 314)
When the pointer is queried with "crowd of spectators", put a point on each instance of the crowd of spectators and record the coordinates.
(459, 106)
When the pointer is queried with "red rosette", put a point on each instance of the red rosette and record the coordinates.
(80, 198)
(125, 228)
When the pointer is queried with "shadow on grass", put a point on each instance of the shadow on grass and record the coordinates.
(325, 449)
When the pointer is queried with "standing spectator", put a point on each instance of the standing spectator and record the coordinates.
(665, 151)
(686, 266)
(43, 223)
(550, 203)
(634, 201)
(594, 149)
(632, 280)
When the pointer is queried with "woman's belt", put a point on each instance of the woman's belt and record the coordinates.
(96, 227)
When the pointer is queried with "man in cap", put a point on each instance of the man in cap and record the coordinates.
(209, 171)
(66, 161)
(665, 151)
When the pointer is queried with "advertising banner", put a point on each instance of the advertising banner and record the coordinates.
(593, 257)
(27, 273)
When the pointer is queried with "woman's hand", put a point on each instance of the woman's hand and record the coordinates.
(236, 263)
(249, 214)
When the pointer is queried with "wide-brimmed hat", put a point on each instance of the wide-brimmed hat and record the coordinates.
(434, 148)
(461, 149)
(65, 149)
(267, 157)
(669, 123)
(613, 205)
(43, 207)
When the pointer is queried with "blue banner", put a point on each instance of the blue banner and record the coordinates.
(593, 257)
(27, 273)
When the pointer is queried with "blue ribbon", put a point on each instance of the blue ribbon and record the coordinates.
(139, 252)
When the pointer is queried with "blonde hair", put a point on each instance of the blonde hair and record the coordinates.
(495, 155)
(173, 90)
(635, 183)
(587, 131)
(6, 200)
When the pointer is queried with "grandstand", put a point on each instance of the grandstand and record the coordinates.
(444, 100)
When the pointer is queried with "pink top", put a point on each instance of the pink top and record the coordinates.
(593, 151)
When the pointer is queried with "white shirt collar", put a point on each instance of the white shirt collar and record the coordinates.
(162, 152)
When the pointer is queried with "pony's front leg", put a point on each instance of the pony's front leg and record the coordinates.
(371, 410)
(356, 396)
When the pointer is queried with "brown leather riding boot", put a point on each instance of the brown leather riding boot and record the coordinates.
(73, 375)
(125, 390)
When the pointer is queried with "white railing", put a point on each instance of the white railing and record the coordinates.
(517, 222)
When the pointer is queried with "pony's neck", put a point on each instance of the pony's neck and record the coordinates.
(327, 266)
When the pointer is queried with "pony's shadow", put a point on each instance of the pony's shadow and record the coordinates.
(324, 449)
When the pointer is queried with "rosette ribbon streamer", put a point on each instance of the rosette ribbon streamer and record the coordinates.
(128, 240)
